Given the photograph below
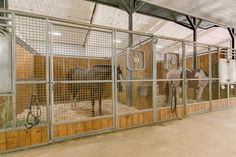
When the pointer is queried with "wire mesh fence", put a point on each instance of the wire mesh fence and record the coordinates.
(82, 73)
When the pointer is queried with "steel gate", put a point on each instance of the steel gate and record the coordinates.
(81, 79)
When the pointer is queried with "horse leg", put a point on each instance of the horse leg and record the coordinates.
(199, 93)
(100, 105)
(72, 98)
(93, 104)
(178, 92)
(100, 98)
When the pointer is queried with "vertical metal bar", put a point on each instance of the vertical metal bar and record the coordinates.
(114, 81)
(128, 72)
(218, 57)
(228, 92)
(154, 79)
(13, 70)
(51, 80)
(194, 44)
(48, 79)
(210, 77)
(130, 28)
(184, 78)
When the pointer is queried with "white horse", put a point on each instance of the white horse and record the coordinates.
(176, 85)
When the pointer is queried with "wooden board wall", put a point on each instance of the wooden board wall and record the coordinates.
(139, 102)
(23, 138)
(24, 72)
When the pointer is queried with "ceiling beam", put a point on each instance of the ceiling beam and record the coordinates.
(91, 22)
(201, 33)
(158, 26)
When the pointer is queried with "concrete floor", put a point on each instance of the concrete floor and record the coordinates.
(205, 135)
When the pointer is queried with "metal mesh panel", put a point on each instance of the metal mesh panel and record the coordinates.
(24, 102)
(136, 82)
(232, 90)
(31, 34)
(197, 94)
(202, 58)
(167, 96)
(67, 110)
(140, 99)
(197, 77)
(219, 91)
(6, 112)
(82, 73)
(30, 49)
(165, 48)
(214, 62)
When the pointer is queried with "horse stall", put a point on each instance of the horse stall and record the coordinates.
(62, 79)
(133, 56)
(169, 82)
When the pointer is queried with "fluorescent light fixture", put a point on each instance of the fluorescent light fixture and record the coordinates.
(159, 46)
(118, 41)
(56, 33)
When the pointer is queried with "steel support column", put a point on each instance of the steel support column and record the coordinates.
(194, 25)
(128, 72)
(231, 33)
(194, 46)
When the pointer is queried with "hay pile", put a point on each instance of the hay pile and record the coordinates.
(63, 112)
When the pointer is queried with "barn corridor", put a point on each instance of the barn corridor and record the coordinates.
(212, 134)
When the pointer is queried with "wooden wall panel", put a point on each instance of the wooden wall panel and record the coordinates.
(24, 64)
(136, 119)
(139, 102)
(23, 138)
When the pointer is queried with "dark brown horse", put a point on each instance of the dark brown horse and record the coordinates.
(96, 89)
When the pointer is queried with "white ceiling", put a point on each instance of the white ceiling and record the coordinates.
(81, 10)
(220, 11)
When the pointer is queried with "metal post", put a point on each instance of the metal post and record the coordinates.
(130, 28)
(232, 45)
(228, 92)
(128, 72)
(13, 71)
(51, 80)
(154, 81)
(48, 41)
(195, 46)
(4, 4)
(210, 77)
(114, 81)
(218, 57)
(184, 79)
(233, 40)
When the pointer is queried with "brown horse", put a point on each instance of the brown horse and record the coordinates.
(98, 72)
